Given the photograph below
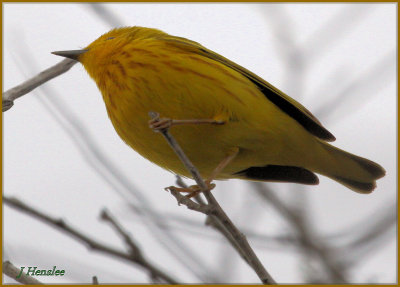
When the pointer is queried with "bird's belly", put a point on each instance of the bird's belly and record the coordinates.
(201, 143)
(205, 145)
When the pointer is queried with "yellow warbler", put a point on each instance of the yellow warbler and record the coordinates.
(265, 134)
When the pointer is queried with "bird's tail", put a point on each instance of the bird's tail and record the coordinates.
(357, 173)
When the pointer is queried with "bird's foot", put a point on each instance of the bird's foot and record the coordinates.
(192, 190)
(158, 124)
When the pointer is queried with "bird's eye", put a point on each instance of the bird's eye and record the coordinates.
(109, 38)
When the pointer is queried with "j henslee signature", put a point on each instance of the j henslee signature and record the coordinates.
(34, 271)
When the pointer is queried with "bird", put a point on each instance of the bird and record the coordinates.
(230, 122)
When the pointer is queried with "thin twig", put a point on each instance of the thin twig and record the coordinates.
(91, 243)
(34, 82)
(182, 156)
(336, 27)
(211, 221)
(11, 271)
(214, 209)
(216, 224)
(181, 183)
(105, 14)
(135, 251)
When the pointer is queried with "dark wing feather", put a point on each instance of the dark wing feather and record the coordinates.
(280, 99)
(280, 173)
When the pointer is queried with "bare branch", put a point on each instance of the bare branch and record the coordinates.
(105, 14)
(179, 181)
(91, 243)
(182, 156)
(327, 35)
(11, 271)
(181, 199)
(211, 220)
(41, 78)
(214, 209)
(135, 251)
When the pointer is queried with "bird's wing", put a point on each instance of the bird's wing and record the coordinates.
(288, 105)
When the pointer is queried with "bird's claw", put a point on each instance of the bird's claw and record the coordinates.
(192, 190)
(158, 124)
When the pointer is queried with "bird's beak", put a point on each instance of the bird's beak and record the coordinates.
(73, 54)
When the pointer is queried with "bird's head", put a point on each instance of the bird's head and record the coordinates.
(107, 47)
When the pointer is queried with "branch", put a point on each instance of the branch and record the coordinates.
(210, 221)
(11, 271)
(92, 244)
(213, 209)
(105, 14)
(135, 251)
(27, 86)
(335, 28)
